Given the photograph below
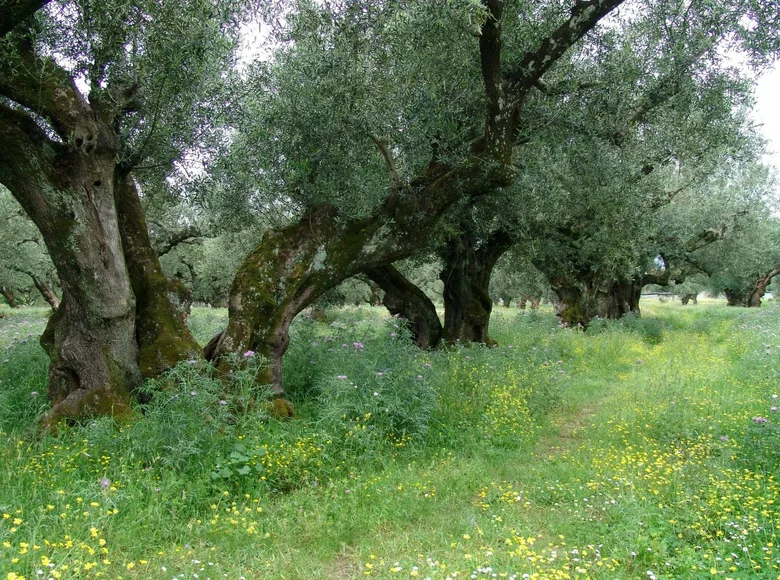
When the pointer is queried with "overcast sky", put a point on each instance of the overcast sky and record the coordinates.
(767, 112)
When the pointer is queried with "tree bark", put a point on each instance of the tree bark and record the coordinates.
(466, 276)
(750, 296)
(579, 301)
(295, 265)
(162, 305)
(376, 298)
(67, 190)
(407, 300)
(759, 288)
(10, 298)
(46, 291)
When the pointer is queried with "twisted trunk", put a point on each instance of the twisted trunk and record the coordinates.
(407, 300)
(295, 265)
(68, 182)
(581, 300)
(466, 276)
(750, 296)
(162, 305)
(67, 190)
(759, 288)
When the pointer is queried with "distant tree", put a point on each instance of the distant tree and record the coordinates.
(24, 261)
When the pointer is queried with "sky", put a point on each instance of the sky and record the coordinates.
(767, 112)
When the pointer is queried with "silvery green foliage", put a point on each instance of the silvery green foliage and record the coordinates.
(164, 66)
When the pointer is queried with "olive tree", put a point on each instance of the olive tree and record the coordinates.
(94, 97)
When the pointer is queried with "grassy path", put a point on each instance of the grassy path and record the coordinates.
(654, 462)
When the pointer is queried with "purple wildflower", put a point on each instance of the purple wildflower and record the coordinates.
(357, 345)
(342, 377)
(760, 420)
(223, 402)
(105, 482)
(249, 353)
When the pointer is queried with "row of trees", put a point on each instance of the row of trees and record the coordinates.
(605, 142)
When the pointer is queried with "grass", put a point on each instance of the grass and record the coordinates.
(646, 448)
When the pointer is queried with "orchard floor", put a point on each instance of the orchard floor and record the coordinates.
(644, 448)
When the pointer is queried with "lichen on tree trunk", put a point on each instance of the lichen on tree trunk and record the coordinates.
(162, 305)
(579, 301)
(67, 190)
(294, 266)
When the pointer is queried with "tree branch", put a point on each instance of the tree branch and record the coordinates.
(14, 12)
(584, 16)
(187, 235)
(395, 182)
(41, 85)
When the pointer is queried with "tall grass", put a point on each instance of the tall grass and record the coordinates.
(644, 448)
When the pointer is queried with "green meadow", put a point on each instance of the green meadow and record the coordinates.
(643, 448)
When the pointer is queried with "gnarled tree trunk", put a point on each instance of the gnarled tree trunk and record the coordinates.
(466, 276)
(758, 290)
(295, 265)
(580, 301)
(407, 300)
(69, 185)
(162, 305)
(67, 190)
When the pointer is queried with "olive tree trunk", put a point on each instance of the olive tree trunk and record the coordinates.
(69, 183)
(406, 300)
(48, 293)
(579, 301)
(67, 189)
(295, 265)
(10, 298)
(162, 304)
(468, 267)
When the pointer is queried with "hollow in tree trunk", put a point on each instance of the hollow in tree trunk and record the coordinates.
(406, 300)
